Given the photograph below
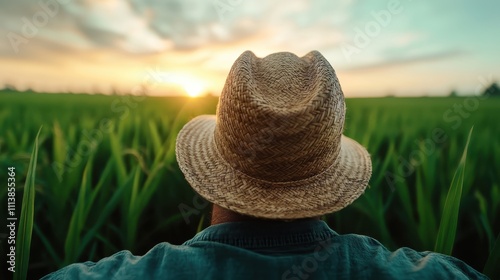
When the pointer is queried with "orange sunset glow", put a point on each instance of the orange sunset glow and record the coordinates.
(376, 49)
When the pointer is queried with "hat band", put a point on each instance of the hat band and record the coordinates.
(277, 183)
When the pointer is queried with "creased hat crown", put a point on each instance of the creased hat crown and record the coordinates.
(280, 118)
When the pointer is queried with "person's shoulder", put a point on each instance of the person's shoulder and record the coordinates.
(383, 263)
(122, 264)
(433, 264)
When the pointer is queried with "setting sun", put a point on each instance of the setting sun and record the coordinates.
(190, 85)
(193, 89)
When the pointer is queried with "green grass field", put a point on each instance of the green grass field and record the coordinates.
(106, 178)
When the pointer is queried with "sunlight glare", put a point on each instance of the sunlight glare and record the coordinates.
(192, 86)
(193, 89)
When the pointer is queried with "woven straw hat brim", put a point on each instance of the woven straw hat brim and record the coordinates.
(218, 182)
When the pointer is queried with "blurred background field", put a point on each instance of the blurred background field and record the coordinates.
(107, 179)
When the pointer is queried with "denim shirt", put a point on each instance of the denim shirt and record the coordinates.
(304, 249)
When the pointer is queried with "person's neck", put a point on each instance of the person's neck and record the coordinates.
(221, 215)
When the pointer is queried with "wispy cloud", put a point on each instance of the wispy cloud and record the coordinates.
(406, 60)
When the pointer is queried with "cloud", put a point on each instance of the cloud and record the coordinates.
(148, 26)
(406, 60)
(103, 24)
(113, 23)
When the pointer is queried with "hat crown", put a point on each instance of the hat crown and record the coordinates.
(280, 118)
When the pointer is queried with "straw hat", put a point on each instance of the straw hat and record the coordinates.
(275, 148)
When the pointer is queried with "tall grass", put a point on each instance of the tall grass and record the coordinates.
(125, 192)
(448, 227)
(26, 221)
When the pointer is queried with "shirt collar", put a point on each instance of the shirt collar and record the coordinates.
(265, 234)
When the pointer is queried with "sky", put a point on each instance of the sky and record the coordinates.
(377, 48)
